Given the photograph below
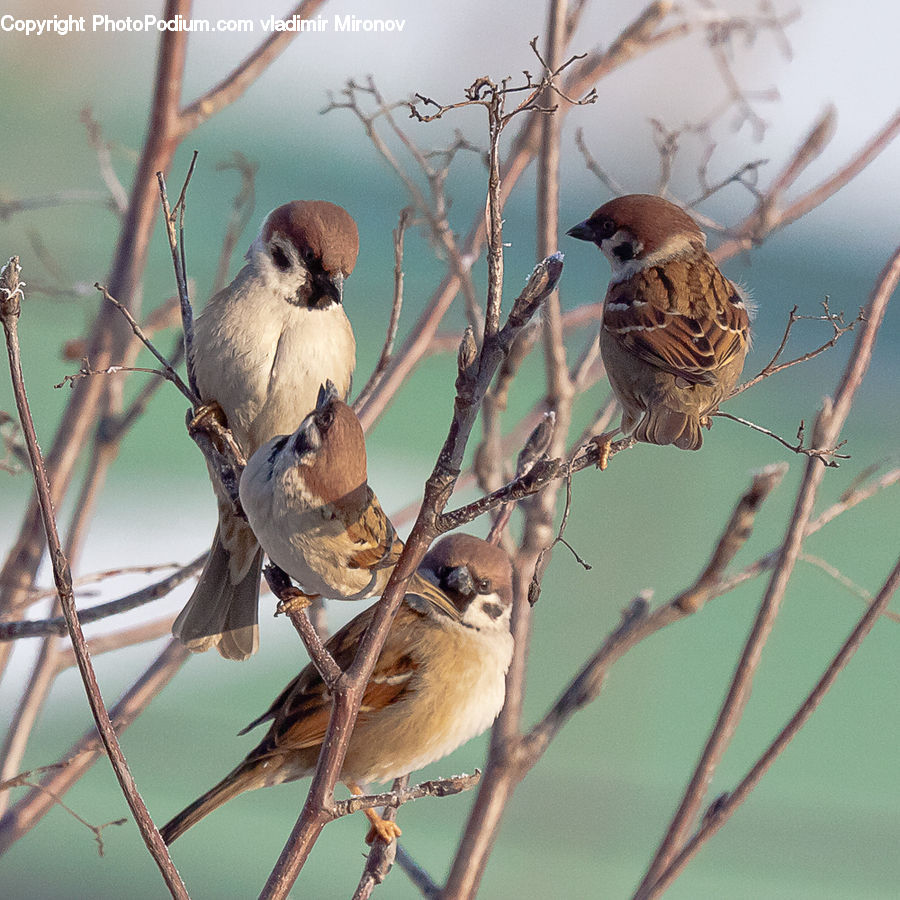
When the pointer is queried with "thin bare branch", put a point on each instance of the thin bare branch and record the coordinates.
(96, 830)
(117, 640)
(733, 538)
(770, 214)
(440, 787)
(836, 320)
(243, 75)
(241, 210)
(844, 581)
(11, 631)
(288, 597)
(169, 372)
(396, 306)
(28, 811)
(417, 875)
(95, 138)
(827, 429)
(10, 309)
(724, 807)
(177, 249)
(108, 340)
(381, 856)
(828, 455)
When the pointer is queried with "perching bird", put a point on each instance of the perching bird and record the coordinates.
(438, 682)
(675, 330)
(308, 502)
(262, 348)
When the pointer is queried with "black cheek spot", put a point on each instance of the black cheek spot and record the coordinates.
(494, 610)
(624, 251)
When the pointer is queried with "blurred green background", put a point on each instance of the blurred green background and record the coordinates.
(826, 820)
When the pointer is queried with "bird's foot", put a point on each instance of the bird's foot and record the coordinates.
(209, 417)
(381, 829)
(293, 600)
(603, 442)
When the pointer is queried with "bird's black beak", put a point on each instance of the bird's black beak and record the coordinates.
(582, 231)
(459, 580)
(329, 288)
(328, 393)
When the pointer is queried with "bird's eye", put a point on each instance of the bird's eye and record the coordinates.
(606, 228)
(325, 419)
(280, 258)
(308, 255)
(483, 585)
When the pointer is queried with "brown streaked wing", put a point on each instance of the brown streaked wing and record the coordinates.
(374, 533)
(685, 338)
(301, 722)
(307, 690)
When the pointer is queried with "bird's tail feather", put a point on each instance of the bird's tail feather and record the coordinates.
(246, 777)
(662, 425)
(221, 613)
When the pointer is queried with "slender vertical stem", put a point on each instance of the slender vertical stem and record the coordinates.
(62, 575)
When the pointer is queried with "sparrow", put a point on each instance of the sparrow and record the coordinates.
(262, 347)
(439, 681)
(675, 330)
(308, 501)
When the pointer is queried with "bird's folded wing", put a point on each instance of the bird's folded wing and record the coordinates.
(688, 321)
(374, 535)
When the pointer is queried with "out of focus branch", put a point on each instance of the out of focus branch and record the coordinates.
(827, 429)
(12, 631)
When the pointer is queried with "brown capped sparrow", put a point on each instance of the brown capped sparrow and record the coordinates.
(675, 330)
(439, 681)
(262, 348)
(308, 502)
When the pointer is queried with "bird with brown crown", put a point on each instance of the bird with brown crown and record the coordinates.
(439, 681)
(308, 500)
(675, 330)
(262, 347)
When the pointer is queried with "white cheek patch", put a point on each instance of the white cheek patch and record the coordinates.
(487, 612)
(280, 282)
(673, 247)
